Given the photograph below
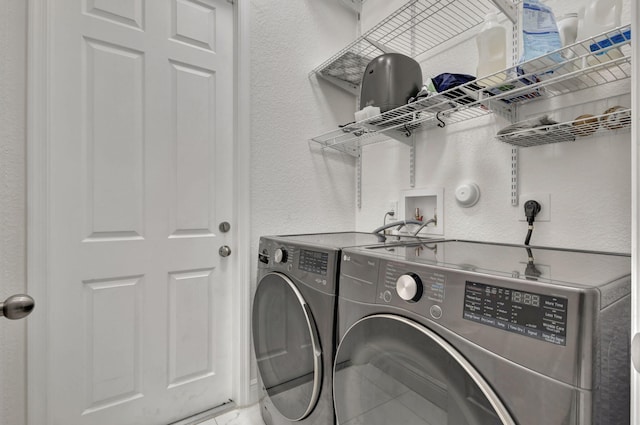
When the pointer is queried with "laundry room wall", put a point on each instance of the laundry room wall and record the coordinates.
(12, 206)
(588, 182)
(295, 186)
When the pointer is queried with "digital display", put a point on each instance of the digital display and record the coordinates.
(525, 298)
(533, 315)
(313, 262)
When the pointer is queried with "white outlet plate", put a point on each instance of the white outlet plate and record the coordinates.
(545, 203)
(393, 206)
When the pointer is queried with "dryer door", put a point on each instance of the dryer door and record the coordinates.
(391, 370)
(287, 346)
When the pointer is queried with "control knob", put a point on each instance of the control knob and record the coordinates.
(280, 255)
(409, 287)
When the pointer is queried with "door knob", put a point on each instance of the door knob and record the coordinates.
(17, 307)
(224, 251)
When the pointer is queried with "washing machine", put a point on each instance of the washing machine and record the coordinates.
(293, 323)
(470, 333)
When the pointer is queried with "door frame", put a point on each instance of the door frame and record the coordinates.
(38, 98)
(635, 207)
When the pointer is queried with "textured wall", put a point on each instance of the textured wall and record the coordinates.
(12, 206)
(295, 186)
(589, 181)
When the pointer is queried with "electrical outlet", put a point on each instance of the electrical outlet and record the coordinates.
(544, 199)
(393, 206)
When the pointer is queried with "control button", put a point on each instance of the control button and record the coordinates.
(435, 311)
(386, 296)
(280, 255)
(409, 287)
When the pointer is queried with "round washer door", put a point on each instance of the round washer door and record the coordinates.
(391, 370)
(287, 347)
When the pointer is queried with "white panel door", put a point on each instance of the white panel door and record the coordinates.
(141, 150)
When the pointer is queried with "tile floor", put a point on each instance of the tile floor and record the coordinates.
(376, 398)
(247, 416)
(372, 398)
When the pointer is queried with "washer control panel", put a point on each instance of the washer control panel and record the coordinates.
(534, 315)
(412, 286)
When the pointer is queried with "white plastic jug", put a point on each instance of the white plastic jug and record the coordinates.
(492, 46)
(600, 16)
(568, 28)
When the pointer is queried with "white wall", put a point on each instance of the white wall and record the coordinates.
(295, 186)
(12, 206)
(588, 181)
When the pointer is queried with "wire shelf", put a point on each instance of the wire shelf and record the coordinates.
(614, 122)
(413, 29)
(589, 63)
(399, 123)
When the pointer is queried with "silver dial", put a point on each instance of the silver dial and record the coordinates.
(409, 287)
(280, 255)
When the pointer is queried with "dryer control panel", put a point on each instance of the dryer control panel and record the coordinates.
(305, 264)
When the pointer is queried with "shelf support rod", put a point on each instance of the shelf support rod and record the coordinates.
(412, 162)
(508, 8)
(515, 110)
(514, 176)
(359, 178)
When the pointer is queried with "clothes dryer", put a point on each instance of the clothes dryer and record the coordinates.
(468, 333)
(293, 323)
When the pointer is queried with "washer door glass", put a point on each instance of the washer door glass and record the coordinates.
(287, 347)
(391, 370)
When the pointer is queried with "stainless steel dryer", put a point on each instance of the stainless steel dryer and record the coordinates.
(458, 332)
(293, 323)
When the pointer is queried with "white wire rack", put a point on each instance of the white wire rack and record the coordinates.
(614, 122)
(413, 29)
(399, 123)
(589, 63)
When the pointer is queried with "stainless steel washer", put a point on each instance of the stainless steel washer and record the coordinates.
(293, 323)
(460, 332)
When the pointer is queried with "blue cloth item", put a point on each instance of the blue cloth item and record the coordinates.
(447, 81)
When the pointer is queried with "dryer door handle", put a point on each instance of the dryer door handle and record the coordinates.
(635, 352)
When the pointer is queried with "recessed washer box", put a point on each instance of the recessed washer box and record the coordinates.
(429, 202)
